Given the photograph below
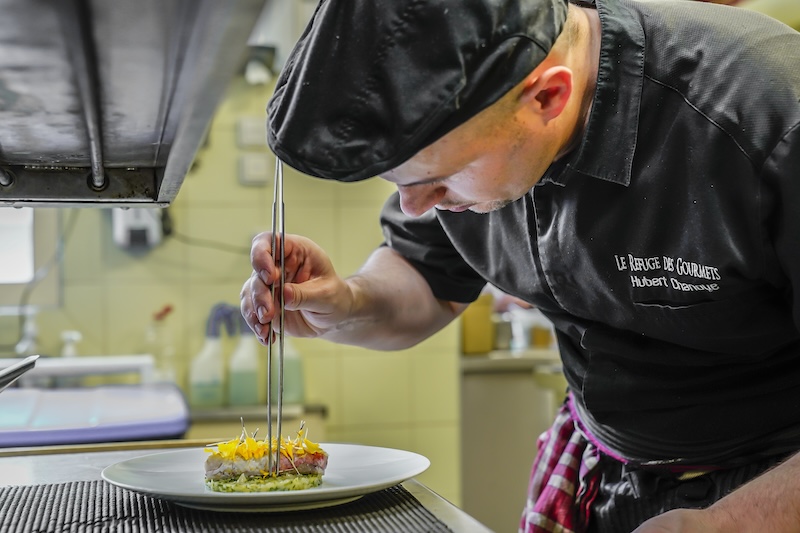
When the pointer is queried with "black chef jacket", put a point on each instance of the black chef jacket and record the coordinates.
(666, 249)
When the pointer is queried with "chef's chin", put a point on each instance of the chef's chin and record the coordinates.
(488, 207)
(480, 208)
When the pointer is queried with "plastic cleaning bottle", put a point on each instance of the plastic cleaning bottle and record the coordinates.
(293, 379)
(206, 387)
(159, 344)
(243, 368)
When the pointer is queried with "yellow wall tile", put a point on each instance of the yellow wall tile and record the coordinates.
(316, 347)
(375, 388)
(360, 235)
(83, 257)
(233, 228)
(130, 307)
(323, 379)
(300, 190)
(84, 311)
(366, 193)
(440, 443)
(316, 223)
(435, 386)
(398, 437)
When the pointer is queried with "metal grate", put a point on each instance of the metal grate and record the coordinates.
(84, 506)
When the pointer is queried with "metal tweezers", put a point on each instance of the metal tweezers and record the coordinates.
(278, 257)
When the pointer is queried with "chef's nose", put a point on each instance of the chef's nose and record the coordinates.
(414, 201)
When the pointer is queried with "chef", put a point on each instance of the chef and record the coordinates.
(630, 168)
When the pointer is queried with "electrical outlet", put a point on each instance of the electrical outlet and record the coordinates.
(251, 132)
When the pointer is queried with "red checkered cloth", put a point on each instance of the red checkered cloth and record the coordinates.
(564, 480)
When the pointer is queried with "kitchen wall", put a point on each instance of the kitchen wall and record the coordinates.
(405, 399)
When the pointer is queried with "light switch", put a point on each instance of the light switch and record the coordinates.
(254, 169)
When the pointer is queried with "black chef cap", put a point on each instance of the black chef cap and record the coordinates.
(372, 82)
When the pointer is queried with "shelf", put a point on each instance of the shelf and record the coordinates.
(539, 360)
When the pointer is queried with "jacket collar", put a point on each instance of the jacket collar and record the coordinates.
(609, 141)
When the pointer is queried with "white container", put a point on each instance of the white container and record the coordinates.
(205, 375)
(70, 338)
(243, 371)
(525, 322)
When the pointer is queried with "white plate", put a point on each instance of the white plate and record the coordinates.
(352, 472)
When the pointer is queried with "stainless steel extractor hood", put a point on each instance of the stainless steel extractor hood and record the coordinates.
(106, 102)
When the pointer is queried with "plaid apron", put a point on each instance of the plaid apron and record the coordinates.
(564, 480)
(567, 473)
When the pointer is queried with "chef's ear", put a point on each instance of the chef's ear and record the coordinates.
(549, 90)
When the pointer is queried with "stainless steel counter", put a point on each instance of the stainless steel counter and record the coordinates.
(61, 464)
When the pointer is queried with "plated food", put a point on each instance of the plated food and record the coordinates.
(242, 464)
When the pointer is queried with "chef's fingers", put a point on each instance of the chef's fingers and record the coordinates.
(261, 257)
(256, 297)
(260, 310)
(310, 312)
(257, 302)
(319, 305)
(256, 305)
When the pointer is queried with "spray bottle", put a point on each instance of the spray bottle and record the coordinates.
(158, 343)
(206, 388)
(243, 368)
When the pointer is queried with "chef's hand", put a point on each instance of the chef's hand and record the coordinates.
(769, 502)
(316, 299)
(386, 305)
